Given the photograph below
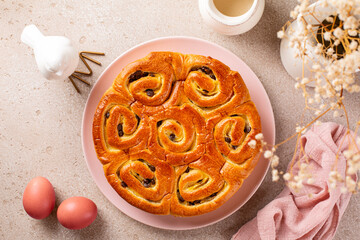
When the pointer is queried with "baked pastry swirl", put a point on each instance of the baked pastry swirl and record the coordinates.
(172, 133)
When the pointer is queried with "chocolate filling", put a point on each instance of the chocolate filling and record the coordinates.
(123, 184)
(158, 124)
(137, 118)
(205, 70)
(152, 168)
(135, 76)
(172, 137)
(120, 130)
(150, 92)
(148, 181)
(181, 199)
(194, 202)
(213, 195)
(247, 129)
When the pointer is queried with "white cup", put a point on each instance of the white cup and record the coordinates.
(231, 25)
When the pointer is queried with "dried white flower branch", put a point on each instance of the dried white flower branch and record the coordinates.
(330, 50)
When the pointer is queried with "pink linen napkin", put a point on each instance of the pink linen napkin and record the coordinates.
(293, 215)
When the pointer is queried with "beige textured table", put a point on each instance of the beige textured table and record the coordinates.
(40, 120)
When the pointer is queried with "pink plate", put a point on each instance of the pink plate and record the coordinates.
(183, 45)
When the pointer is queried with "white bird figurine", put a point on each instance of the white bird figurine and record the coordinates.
(55, 55)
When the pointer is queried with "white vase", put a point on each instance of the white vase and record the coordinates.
(294, 66)
(231, 25)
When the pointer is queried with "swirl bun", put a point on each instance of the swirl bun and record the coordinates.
(172, 133)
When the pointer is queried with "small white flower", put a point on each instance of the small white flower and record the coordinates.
(303, 167)
(280, 34)
(310, 181)
(268, 154)
(292, 185)
(330, 51)
(259, 136)
(252, 144)
(352, 33)
(348, 153)
(333, 185)
(287, 176)
(353, 45)
(351, 23)
(275, 175)
(318, 50)
(305, 81)
(350, 184)
(274, 161)
(330, 19)
(297, 178)
(338, 32)
(333, 175)
(294, 14)
(327, 36)
(351, 171)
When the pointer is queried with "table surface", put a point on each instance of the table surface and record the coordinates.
(40, 120)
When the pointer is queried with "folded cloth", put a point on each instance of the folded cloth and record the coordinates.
(295, 215)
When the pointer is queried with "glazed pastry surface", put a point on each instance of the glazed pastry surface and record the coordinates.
(172, 133)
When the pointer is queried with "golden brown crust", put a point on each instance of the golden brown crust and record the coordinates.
(143, 181)
(173, 133)
(187, 126)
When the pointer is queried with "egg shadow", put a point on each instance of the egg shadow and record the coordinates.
(53, 227)
(51, 224)
(97, 228)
